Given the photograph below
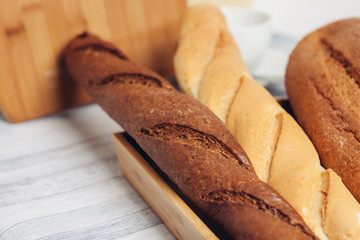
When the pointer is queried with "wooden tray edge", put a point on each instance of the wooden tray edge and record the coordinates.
(182, 222)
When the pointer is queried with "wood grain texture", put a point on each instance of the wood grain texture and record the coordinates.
(60, 179)
(241, 3)
(177, 216)
(33, 33)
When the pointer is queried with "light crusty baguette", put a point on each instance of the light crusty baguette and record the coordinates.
(187, 141)
(279, 150)
(323, 85)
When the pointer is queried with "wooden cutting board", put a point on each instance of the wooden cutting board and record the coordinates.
(33, 34)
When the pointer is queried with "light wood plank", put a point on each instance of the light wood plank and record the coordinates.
(33, 34)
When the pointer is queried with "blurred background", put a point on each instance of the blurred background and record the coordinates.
(291, 20)
(294, 17)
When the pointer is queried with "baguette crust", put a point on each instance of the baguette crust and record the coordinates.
(187, 141)
(279, 150)
(322, 80)
(341, 228)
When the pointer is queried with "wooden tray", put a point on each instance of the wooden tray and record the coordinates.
(182, 222)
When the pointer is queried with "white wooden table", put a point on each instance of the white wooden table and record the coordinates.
(59, 179)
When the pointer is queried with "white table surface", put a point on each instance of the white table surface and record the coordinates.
(59, 179)
(59, 176)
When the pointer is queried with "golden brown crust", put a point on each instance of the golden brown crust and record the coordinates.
(348, 213)
(323, 84)
(188, 142)
(259, 124)
(206, 51)
(280, 151)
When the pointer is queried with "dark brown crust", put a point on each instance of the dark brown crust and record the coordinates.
(187, 141)
(323, 84)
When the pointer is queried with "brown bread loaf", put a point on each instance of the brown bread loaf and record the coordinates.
(323, 80)
(187, 141)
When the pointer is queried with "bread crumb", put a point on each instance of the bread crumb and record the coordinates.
(305, 210)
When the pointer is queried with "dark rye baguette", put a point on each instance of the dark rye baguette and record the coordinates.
(323, 85)
(187, 141)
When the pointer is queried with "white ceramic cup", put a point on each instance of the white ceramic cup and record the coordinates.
(251, 30)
